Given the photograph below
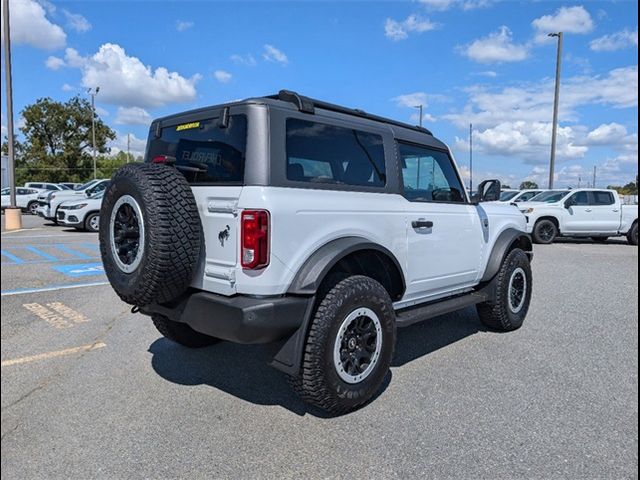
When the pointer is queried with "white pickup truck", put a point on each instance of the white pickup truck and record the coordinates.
(584, 212)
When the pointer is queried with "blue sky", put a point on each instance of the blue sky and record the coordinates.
(483, 61)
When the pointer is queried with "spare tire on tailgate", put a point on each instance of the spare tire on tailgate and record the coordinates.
(150, 233)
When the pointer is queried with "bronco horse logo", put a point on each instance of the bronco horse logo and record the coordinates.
(224, 235)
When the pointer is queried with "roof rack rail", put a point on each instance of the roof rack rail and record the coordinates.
(308, 105)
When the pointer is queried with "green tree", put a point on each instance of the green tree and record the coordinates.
(528, 185)
(57, 142)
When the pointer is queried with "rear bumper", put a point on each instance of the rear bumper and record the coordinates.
(240, 318)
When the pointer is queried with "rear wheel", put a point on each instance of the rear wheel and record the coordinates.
(545, 232)
(182, 333)
(632, 236)
(349, 347)
(32, 208)
(509, 308)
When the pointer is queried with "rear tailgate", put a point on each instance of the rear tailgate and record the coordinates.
(211, 157)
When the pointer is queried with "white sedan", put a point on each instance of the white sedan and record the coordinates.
(83, 214)
(26, 199)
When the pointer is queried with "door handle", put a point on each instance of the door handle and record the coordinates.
(588, 210)
(616, 210)
(422, 223)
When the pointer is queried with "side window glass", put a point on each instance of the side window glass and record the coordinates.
(580, 198)
(603, 198)
(323, 153)
(428, 175)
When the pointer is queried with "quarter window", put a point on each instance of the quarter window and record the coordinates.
(428, 175)
(322, 153)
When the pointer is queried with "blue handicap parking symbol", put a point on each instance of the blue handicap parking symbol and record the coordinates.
(81, 270)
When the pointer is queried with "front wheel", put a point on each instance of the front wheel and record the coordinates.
(632, 236)
(545, 232)
(32, 208)
(92, 222)
(508, 309)
(349, 347)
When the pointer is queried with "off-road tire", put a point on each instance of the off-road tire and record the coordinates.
(172, 233)
(318, 382)
(87, 222)
(632, 236)
(539, 229)
(497, 313)
(182, 333)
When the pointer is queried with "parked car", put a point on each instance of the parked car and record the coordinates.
(26, 199)
(54, 187)
(583, 212)
(48, 202)
(82, 214)
(290, 219)
(517, 196)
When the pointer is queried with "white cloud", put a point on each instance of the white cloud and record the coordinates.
(101, 111)
(272, 54)
(222, 76)
(124, 80)
(137, 145)
(497, 47)
(30, 26)
(566, 19)
(67, 88)
(607, 134)
(54, 63)
(182, 25)
(77, 22)
(400, 30)
(411, 99)
(615, 41)
(132, 116)
(533, 101)
(528, 140)
(246, 60)
(488, 74)
(442, 5)
(438, 4)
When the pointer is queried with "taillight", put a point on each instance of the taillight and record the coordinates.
(254, 232)
(166, 159)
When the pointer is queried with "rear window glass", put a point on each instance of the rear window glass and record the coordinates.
(321, 153)
(603, 198)
(204, 153)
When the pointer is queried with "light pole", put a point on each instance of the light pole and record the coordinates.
(556, 99)
(470, 158)
(13, 220)
(93, 93)
(419, 107)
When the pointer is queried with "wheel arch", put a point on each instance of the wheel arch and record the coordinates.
(508, 240)
(352, 255)
(555, 220)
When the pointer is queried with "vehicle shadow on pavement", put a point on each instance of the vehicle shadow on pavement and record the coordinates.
(242, 370)
(426, 337)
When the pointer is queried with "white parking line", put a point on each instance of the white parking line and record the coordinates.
(22, 291)
(76, 235)
(57, 353)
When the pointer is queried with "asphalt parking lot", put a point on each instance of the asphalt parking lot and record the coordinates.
(90, 390)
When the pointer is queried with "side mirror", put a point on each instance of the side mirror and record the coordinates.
(88, 192)
(569, 203)
(488, 191)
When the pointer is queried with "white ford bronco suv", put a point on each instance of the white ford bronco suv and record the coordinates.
(317, 228)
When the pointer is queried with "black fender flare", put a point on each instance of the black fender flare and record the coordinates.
(288, 356)
(317, 265)
(503, 245)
